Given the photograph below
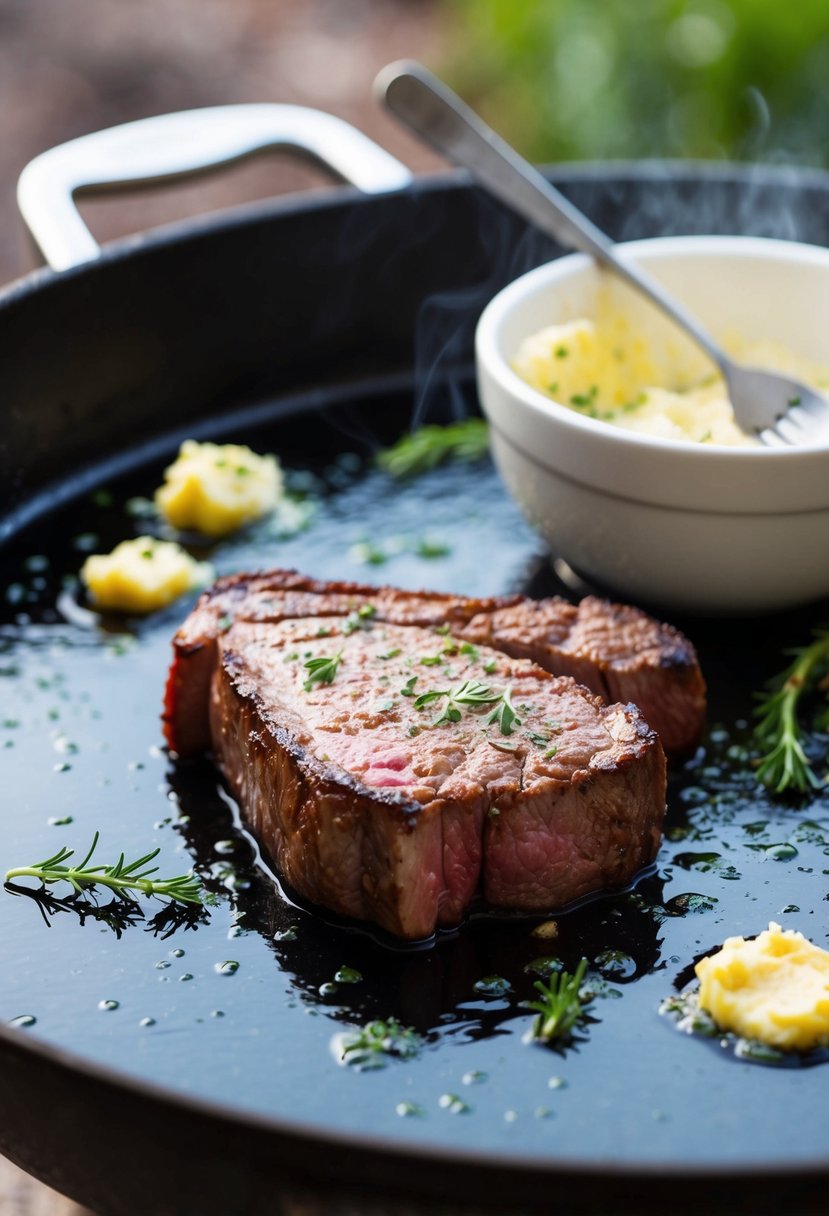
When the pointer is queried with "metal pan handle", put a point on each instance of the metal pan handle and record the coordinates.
(177, 145)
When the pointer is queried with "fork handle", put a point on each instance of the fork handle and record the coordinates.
(438, 115)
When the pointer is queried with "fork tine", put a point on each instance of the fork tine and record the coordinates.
(770, 437)
(791, 430)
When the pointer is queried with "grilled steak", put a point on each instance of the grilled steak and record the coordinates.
(392, 769)
(617, 651)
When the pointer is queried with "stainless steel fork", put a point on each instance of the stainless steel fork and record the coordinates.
(780, 411)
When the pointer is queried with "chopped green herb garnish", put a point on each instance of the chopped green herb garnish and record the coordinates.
(538, 739)
(368, 554)
(431, 549)
(585, 400)
(502, 745)
(550, 752)
(504, 714)
(361, 618)
(430, 446)
(431, 660)
(322, 669)
(490, 665)
(561, 352)
(408, 688)
(370, 1046)
(225, 622)
(390, 654)
(471, 651)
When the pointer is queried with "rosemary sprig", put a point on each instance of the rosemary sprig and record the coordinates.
(784, 764)
(322, 669)
(562, 1005)
(430, 446)
(122, 877)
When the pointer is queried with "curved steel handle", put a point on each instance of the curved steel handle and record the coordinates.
(177, 145)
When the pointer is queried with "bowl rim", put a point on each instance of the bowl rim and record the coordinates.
(489, 356)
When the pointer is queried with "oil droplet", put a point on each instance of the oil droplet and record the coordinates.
(348, 975)
(556, 1083)
(545, 966)
(543, 1112)
(108, 1005)
(182, 979)
(286, 935)
(217, 1013)
(475, 1077)
(224, 847)
(454, 1104)
(63, 767)
(616, 964)
(789, 908)
(510, 1116)
(177, 953)
(228, 967)
(147, 1022)
(23, 1020)
(163, 965)
(409, 1110)
(235, 931)
(328, 989)
(493, 985)
(689, 901)
(57, 821)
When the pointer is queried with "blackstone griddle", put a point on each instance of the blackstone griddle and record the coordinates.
(181, 1063)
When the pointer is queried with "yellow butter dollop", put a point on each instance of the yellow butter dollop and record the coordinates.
(217, 488)
(603, 369)
(774, 989)
(142, 575)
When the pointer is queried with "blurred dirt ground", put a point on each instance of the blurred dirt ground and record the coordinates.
(68, 67)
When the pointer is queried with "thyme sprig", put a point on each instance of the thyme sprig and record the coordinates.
(778, 732)
(504, 714)
(430, 446)
(562, 1005)
(123, 877)
(322, 669)
(471, 692)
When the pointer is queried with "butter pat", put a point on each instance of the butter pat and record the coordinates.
(774, 989)
(142, 575)
(216, 488)
(601, 369)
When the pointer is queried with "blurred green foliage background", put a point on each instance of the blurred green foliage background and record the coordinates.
(719, 79)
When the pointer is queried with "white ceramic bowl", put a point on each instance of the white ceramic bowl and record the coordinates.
(694, 526)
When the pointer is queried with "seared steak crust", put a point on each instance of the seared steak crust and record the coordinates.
(617, 651)
(396, 812)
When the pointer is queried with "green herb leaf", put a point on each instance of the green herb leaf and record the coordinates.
(504, 714)
(430, 446)
(562, 1005)
(784, 764)
(373, 1044)
(322, 669)
(123, 877)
